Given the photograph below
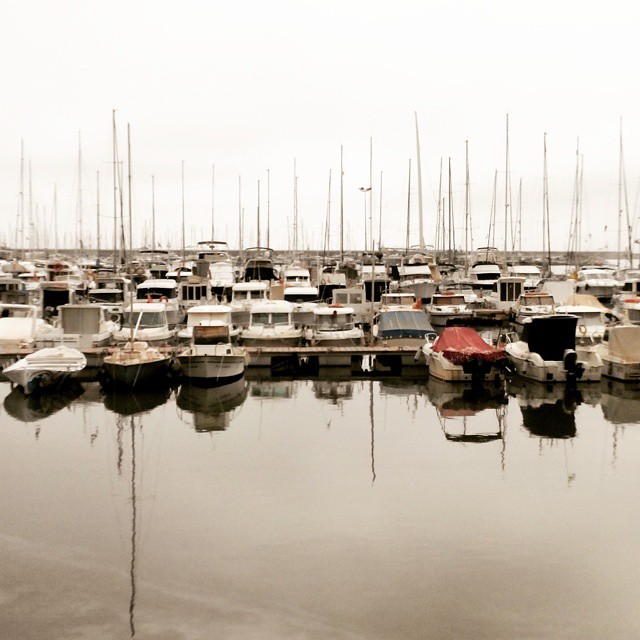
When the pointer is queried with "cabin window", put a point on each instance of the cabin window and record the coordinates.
(280, 318)
(259, 318)
(510, 290)
(149, 319)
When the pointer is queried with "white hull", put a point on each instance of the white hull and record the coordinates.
(532, 367)
(226, 365)
(618, 370)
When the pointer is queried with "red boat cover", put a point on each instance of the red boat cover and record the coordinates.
(460, 345)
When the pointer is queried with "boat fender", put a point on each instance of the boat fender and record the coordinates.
(164, 299)
(582, 328)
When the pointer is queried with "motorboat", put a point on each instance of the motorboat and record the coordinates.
(621, 358)
(547, 351)
(461, 355)
(271, 324)
(259, 265)
(404, 327)
(18, 325)
(334, 325)
(109, 289)
(304, 301)
(397, 301)
(530, 272)
(448, 307)
(355, 298)
(506, 293)
(532, 303)
(211, 358)
(243, 296)
(419, 274)
(592, 320)
(134, 364)
(13, 291)
(485, 271)
(596, 281)
(296, 275)
(164, 292)
(45, 368)
(208, 315)
(147, 321)
(82, 326)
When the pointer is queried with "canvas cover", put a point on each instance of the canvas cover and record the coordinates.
(624, 343)
(460, 345)
(550, 336)
(584, 300)
(403, 324)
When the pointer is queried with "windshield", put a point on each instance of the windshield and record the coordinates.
(149, 319)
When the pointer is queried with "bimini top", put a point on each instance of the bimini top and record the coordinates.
(549, 336)
(404, 324)
(460, 345)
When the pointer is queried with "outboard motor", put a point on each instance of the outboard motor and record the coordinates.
(573, 368)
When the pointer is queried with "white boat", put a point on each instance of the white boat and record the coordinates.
(402, 327)
(547, 351)
(397, 301)
(271, 324)
(243, 296)
(18, 325)
(485, 271)
(148, 322)
(447, 307)
(532, 303)
(296, 275)
(208, 315)
(419, 274)
(353, 297)
(621, 358)
(334, 326)
(531, 274)
(194, 291)
(45, 368)
(461, 355)
(82, 326)
(506, 293)
(164, 292)
(135, 364)
(211, 358)
(592, 320)
(597, 281)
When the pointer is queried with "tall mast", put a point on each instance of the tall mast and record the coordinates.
(341, 207)
(506, 190)
(213, 200)
(55, 217)
(153, 213)
(115, 190)
(183, 228)
(622, 194)
(440, 216)
(295, 208)
(21, 225)
(520, 216)
(380, 217)
(98, 218)
(258, 213)
(408, 208)
(371, 197)
(80, 247)
(239, 215)
(30, 208)
(452, 241)
(546, 240)
(268, 208)
(420, 220)
(467, 205)
(129, 195)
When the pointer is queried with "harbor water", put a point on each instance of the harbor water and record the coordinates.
(329, 508)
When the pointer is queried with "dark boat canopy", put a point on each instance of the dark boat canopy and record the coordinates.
(550, 336)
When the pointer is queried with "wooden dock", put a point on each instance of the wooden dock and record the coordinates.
(357, 359)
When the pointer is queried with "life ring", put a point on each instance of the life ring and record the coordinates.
(582, 328)
(164, 299)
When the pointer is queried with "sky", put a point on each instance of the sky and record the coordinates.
(250, 87)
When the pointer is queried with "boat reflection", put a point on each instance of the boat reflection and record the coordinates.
(620, 402)
(548, 410)
(276, 389)
(333, 390)
(128, 403)
(212, 406)
(456, 403)
(33, 408)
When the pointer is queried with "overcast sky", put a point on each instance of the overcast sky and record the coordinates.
(249, 86)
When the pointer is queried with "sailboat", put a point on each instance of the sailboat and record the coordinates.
(134, 364)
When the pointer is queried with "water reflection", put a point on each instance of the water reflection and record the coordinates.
(212, 407)
(128, 403)
(621, 402)
(335, 391)
(456, 403)
(37, 407)
(276, 389)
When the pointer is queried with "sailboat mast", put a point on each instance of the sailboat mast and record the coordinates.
(240, 215)
(183, 221)
(98, 217)
(129, 195)
(467, 205)
(20, 226)
(115, 191)
(341, 207)
(213, 200)
(452, 241)
(506, 190)
(545, 208)
(440, 216)
(295, 208)
(408, 209)
(420, 218)
(79, 246)
(380, 217)
(55, 217)
(268, 208)
(371, 196)
(153, 213)
(258, 214)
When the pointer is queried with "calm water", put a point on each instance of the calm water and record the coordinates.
(321, 509)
